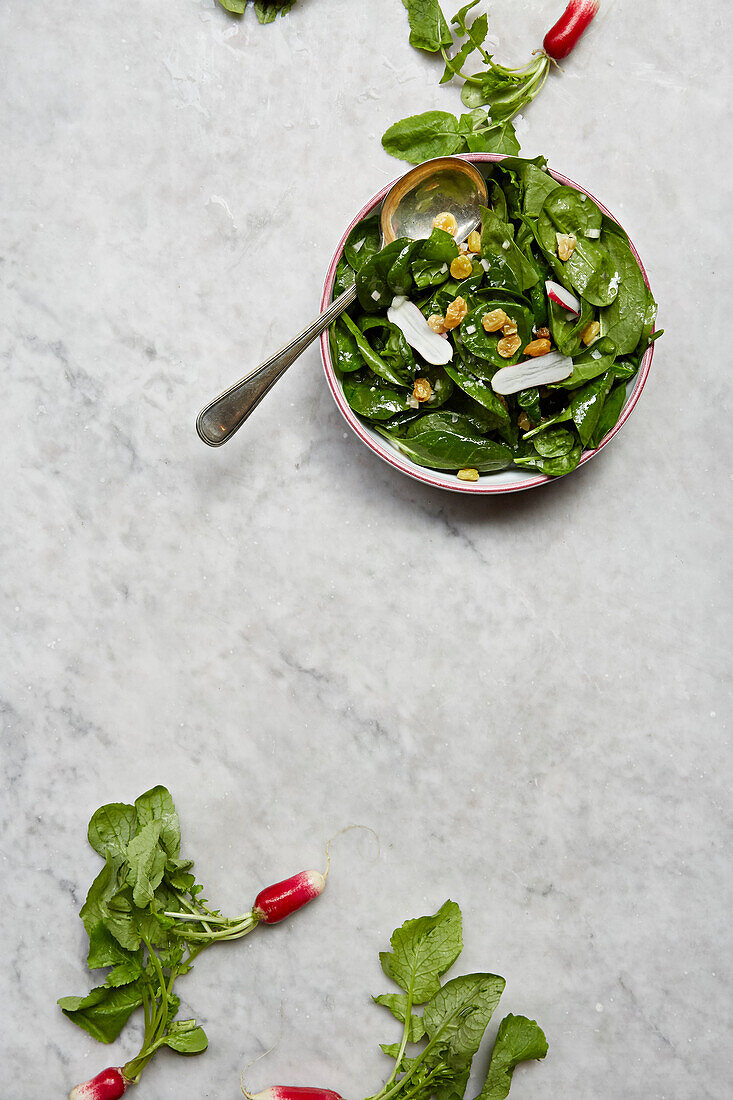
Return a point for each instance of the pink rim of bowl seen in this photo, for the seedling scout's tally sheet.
(505, 481)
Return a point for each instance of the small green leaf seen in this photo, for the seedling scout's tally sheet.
(121, 919)
(111, 829)
(424, 948)
(449, 441)
(554, 443)
(610, 413)
(480, 391)
(124, 973)
(586, 406)
(157, 805)
(438, 246)
(104, 1011)
(500, 139)
(376, 362)
(553, 467)
(428, 28)
(518, 1040)
(104, 887)
(459, 1013)
(497, 239)
(186, 1041)
(147, 863)
(590, 363)
(105, 950)
(363, 242)
(370, 396)
(624, 320)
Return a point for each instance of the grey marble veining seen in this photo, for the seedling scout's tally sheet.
(527, 698)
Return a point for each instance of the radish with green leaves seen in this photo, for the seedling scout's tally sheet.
(446, 1035)
(147, 922)
(493, 93)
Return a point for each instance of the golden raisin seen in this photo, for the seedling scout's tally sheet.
(455, 313)
(423, 391)
(510, 327)
(474, 242)
(461, 267)
(566, 243)
(538, 347)
(437, 323)
(591, 332)
(523, 421)
(543, 333)
(468, 474)
(446, 222)
(508, 345)
(494, 320)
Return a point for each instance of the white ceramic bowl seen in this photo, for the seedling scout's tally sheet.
(504, 481)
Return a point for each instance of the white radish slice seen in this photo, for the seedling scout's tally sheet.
(418, 333)
(562, 297)
(540, 371)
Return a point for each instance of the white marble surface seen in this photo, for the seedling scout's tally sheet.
(527, 698)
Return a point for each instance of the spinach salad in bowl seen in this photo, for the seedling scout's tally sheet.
(510, 349)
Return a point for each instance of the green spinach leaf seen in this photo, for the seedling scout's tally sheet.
(624, 320)
(448, 441)
(610, 413)
(370, 396)
(363, 242)
(497, 239)
(422, 137)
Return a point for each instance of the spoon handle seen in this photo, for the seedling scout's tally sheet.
(218, 421)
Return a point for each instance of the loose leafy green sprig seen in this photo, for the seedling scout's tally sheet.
(144, 950)
(494, 93)
(465, 424)
(267, 11)
(444, 1037)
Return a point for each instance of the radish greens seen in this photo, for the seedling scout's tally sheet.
(446, 1034)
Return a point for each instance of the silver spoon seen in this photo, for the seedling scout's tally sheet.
(446, 184)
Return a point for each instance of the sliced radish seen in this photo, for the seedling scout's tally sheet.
(562, 297)
(552, 367)
(110, 1084)
(418, 333)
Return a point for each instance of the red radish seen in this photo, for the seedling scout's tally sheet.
(278, 901)
(110, 1084)
(562, 297)
(561, 39)
(294, 1092)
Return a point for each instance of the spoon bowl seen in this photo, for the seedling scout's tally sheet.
(443, 185)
